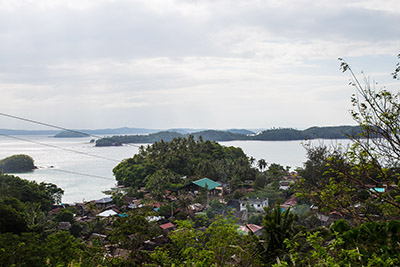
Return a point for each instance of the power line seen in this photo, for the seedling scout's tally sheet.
(84, 174)
(54, 126)
(62, 148)
(58, 147)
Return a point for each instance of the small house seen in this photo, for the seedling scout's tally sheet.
(254, 228)
(257, 204)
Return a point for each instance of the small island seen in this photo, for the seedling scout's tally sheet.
(17, 163)
(70, 134)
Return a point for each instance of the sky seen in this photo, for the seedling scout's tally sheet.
(214, 64)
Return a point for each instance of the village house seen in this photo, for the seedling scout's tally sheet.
(257, 204)
(211, 186)
(168, 226)
(289, 203)
(284, 185)
(104, 202)
(254, 228)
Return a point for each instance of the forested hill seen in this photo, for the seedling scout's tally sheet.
(280, 134)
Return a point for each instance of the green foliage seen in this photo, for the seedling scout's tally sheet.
(131, 232)
(217, 206)
(70, 134)
(17, 163)
(212, 135)
(339, 180)
(213, 247)
(13, 218)
(280, 134)
(64, 215)
(24, 250)
(255, 219)
(163, 164)
(44, 194)
(210, 214)
(274, 195)
(260, 181)
(276, 171)
(166, 210)
(277, 227)
(201, 221)
(62, 248)
(370, 244)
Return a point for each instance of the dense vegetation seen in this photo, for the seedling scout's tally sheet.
(281, 134)
(17, 163)
(165, 165)
(29, 192)
(70, 134)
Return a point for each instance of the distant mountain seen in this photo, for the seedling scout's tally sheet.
(185, 130)
(28, 132)
(123, 130)
(117, 131)
(138, 139)
(143, 135)
(333, 132)
(241, 131)
(214, 135)
(280, 134)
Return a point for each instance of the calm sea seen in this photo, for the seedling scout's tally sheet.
(84, 177)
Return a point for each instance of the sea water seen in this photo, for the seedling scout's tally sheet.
(84, 177)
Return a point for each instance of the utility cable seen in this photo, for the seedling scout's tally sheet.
(62, 148)
(58, 147)
(54, 126)
(84, 174)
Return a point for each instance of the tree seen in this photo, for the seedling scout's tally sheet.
(162, 165)
(252, 160)
(45, 194)
(362, 181)
(261, 164)
(62, 248)
(17, 163)
(12, 217)
(215, 246)
(375, 154)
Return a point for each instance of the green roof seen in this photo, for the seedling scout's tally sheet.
(205, 182)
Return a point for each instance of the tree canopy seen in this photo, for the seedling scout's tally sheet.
(169, 162)
(17, 163)
(361, 181)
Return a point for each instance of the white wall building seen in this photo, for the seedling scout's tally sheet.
(258, 204)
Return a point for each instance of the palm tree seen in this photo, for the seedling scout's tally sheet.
(252, 160)
(277, 226)
(261, 164)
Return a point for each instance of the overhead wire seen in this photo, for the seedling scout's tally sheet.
(59, 147)
(54, 126)
(84, 174)
(62, 148)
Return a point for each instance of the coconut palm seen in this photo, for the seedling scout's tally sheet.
(261, 164)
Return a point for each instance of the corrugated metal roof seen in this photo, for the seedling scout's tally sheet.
(205, 182)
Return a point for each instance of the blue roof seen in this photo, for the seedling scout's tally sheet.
(377, 189)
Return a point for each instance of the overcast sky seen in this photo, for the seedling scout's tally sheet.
(201, 64)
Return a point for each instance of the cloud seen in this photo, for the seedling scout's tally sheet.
(175, 63)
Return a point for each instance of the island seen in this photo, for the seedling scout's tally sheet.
(70, 134)
(17, 163)
(275, 134)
